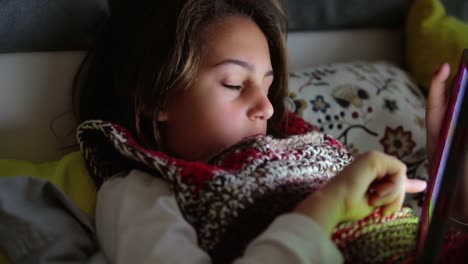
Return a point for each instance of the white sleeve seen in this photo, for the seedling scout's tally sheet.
(138, 221)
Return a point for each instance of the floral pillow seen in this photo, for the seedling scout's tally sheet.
(367, 106)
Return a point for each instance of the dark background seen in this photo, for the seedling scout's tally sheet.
(47, 25)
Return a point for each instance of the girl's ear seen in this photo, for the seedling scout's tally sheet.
(162, 116)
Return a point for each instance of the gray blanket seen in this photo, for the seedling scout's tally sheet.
(40, 224)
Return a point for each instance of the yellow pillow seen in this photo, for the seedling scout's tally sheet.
(69, 174)
(433, 37)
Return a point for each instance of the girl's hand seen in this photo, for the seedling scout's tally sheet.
(436, 107)
(374, 180)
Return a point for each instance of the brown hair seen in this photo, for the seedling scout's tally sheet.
(147, 52)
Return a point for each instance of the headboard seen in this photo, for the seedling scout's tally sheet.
(62, 25)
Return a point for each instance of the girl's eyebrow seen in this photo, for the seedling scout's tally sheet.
(242, 64)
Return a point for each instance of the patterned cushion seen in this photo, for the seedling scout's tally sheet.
(367, 106)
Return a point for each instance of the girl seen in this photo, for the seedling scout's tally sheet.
(187, 98)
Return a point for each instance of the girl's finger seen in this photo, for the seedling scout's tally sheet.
(392, 207)
(415, 186)
(377, 167)
(436, 107)
(387, 192)
(441, 75)
(382, 193)
(437, 93)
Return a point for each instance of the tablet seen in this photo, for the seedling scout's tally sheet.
(447, 170)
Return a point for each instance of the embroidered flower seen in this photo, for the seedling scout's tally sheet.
(420, 122)
(319, 104)
(347, 94)
(296, 106)
(390, 105)
(353, 149)
(397, 142)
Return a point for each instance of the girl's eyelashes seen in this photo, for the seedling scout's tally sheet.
(232, 87)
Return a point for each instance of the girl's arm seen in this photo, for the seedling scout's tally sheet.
(138, 221)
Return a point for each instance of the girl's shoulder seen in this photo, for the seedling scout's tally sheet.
(135, 180)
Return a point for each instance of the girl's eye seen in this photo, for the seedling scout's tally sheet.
(233, 87)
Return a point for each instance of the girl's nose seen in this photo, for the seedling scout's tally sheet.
(261, 107)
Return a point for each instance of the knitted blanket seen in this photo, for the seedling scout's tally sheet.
(235, 196)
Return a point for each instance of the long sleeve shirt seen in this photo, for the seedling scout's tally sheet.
(138, 221)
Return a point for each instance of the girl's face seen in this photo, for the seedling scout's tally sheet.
(228, 101)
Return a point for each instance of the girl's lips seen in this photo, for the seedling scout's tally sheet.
(255, 135)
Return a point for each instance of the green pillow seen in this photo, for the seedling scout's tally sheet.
(69, 174)
(433, 37)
